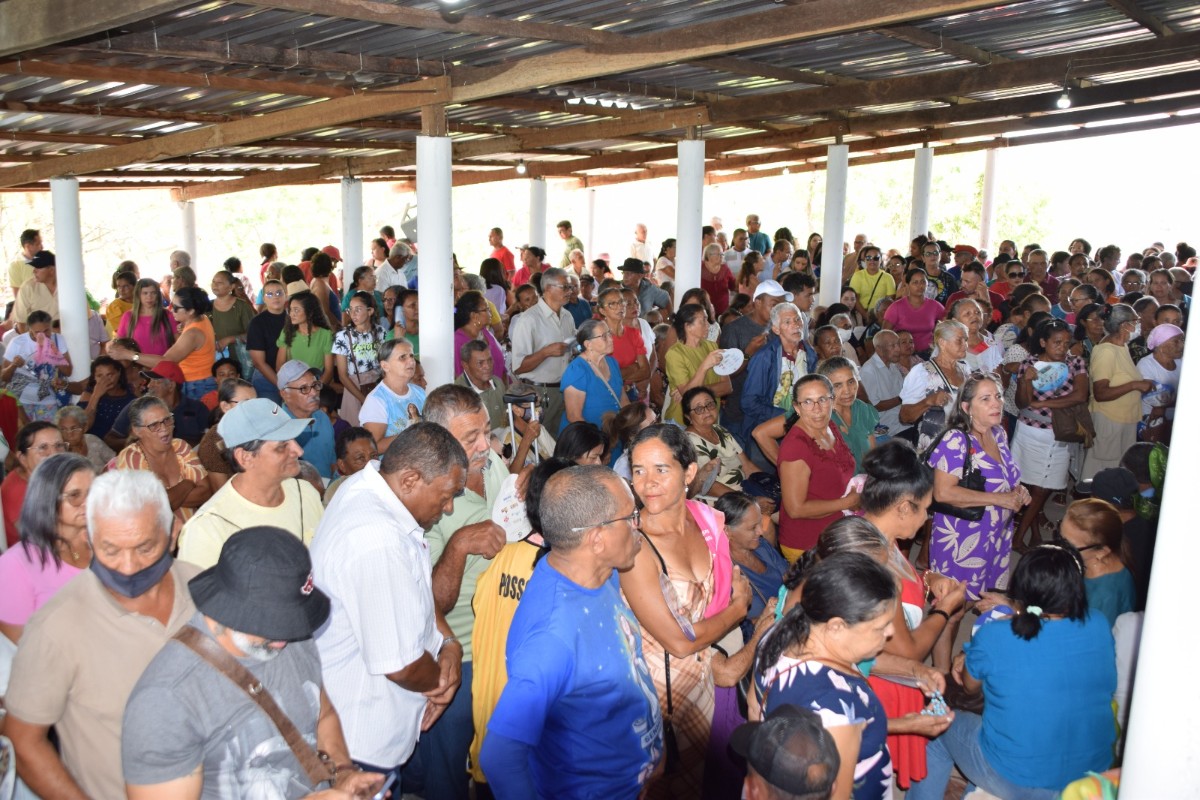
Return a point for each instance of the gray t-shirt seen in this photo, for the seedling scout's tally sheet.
(183, 713)
(737, 335)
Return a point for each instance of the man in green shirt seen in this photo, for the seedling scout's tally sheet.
(572, 241)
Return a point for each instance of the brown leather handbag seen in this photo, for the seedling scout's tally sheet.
(1073, 424)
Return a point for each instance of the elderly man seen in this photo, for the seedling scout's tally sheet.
(789, 754)
(851, 261)
(748, 333)
(633, 276)
(580, 309)
(776, 366)
(392, 272)
(541, 340)
(83, 651)
(479, 375)
(300, 386)
(165, 381)
(260, 442)
(757, 239)
(39, 293)
(192, 732)
(640, 249)
(577, 679)
(390, 663)
(461, 546)
(1039, 266)
(883, 380)
(502, 253)
(19, 270)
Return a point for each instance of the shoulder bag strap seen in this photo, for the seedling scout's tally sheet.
(315, 764)
(666, 656)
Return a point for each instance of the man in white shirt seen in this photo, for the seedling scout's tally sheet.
(737, 252)
(883, 380)
(541, 340)
(392, 273)
(639, 249)
(390, 663)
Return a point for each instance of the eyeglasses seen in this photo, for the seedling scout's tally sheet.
(871, 258)
(634, 520)
(811, 402)
(75, 498)
(548, 286)
(273, 294)
(57, 447)
(617, 304)
(1016, 275)
(166, 423)
(73, 429)
(931, 252)
(176, 307)
(605, 335)
(700, 409)
(307, 389)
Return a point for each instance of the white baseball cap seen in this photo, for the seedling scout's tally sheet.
(773, 289)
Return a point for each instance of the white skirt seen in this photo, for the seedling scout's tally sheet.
(1043, 461)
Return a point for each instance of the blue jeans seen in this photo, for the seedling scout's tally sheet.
(960, 745)
(265, 388)
(194, 390)
(438, 767)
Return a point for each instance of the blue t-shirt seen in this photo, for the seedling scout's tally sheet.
(759, 241)
(764, 585)
(317, 441)
(579, 691)
(1112, 595)
(838, 699)
(1048, 718)
(598, 400)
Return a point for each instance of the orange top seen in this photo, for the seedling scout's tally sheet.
(197, 365)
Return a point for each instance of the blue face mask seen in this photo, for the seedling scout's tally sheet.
(138, 583)
(1148, 493)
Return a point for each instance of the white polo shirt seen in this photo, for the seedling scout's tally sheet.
(883, 382)
(534, 329)
(369, 555)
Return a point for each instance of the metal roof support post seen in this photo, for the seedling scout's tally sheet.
(187, 230)
(72, 294)
(988, 220)
(922, 186)
(537, 217)
(837, 176)
(352, 229)
(436, 265)
(690, 216)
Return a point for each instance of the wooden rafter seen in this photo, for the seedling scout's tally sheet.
(29, 24)
(756, 69)
(936, 41)
(1133, 9)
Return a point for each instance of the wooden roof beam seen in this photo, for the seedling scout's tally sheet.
(756, 69)
(30, 24)
(1133, 9)
(936, 41)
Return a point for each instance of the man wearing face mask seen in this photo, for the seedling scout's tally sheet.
(83, 651)
(191, 731)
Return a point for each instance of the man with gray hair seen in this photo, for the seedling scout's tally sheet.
(883, 380)
(390, 662)
(577, 679)
(391, 272)
(83, 651)
(541, 340)
(180, 259)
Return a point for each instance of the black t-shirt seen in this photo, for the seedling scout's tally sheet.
(263, 334)
(191, 421)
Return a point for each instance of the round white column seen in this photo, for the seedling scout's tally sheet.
(922, 186)
(689, 218)
(837, 176)
(352, 245)
(436, 264)
(988, 220)
(537, 217)
(187, 232)
(72, 293)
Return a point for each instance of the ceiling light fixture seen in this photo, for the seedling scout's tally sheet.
(1064, 99)
(787, 170)
(521, 167)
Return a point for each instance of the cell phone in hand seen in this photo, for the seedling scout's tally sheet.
(388, 782)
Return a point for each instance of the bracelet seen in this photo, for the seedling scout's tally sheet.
(447, 641)
(939, 613)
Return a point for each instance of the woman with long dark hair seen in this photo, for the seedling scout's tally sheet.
(148, 322)
(1049, 721)
(356, 352)
(306, 335)
(810, 659)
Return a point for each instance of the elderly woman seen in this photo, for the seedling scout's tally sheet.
(1163, 366)
(591, 384)
(147, 322)
(629, 348)
(973, 527)
(716, 278)
(195, 349)
(356, 354)
(717, 451)
(915, 312)
(54, 540)
(211, 450)
(774, 368)
(927, 397)
(856, 419)
(689, 362)
(72, 424)
(471, 322)
(984, 353)
(686, 596)
(1117, 389)
(155, 449)
(815, 466)
(752, 552)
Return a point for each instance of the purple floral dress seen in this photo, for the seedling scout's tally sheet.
(976, 553)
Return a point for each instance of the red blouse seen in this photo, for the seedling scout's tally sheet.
(830, 471)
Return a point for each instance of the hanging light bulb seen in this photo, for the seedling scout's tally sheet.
(521, 167)
(787, 170)
(1064, 100)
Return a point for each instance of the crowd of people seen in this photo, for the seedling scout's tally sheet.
(725, 544)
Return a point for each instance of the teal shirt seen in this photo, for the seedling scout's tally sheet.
(858, 434)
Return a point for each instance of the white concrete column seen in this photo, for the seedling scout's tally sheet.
(689, 216)
(352, 227)
(589, 244)
(988, 219)
(435, 267)
(537, 216)
(1164, 718)
(72, 294)
(187, 233)
(922, 186)
(837, 174)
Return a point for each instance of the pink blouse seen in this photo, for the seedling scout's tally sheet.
(28, 583)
